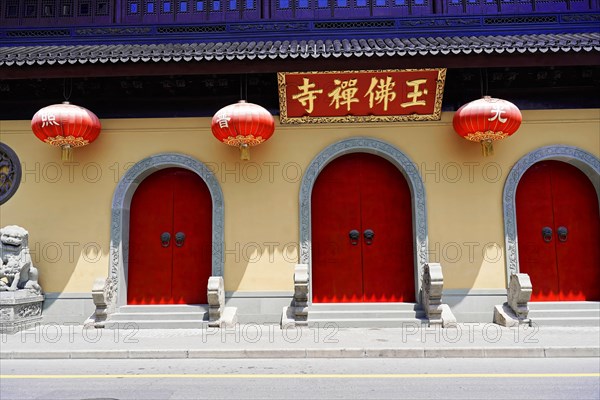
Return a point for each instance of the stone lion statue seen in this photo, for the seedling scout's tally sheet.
(16, 270)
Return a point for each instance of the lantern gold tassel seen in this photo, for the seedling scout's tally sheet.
(67, 153)
(487, 147)
(244, 152)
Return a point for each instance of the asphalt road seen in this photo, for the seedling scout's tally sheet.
(302, 379)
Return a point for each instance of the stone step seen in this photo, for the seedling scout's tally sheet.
(560, 313)
(364, 306)
(365, 315)
(155, 316)
(163, 308)
(564, 305)
(134, 325)
(567, 322)
(159, 316)
(365, 323)
(330, 315)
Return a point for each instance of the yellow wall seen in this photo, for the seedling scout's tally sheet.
(66, 208)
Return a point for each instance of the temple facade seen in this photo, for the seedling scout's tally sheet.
(363, 187)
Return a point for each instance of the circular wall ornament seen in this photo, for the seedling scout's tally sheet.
(10, 173)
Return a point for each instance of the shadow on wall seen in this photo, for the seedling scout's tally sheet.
(466, 224)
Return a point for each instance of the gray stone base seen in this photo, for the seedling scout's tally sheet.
(19, 310)
(448, 318)
(229, 318)
(288, 317)
(505, 316)
(473, 305)
(67, 308)
(258, 307)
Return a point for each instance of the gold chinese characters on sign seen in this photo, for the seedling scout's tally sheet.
(361, 96)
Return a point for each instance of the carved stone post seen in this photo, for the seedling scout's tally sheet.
(519, 294)
(515, 311)
(300, 302)
(100, 301)
(433, 284)
(216, 300)
(296, 314)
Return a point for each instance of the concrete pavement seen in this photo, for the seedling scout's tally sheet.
(473, 340)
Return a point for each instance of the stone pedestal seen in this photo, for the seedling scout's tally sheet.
(219, 316)
(19, 310)
(433, 285)
(216, 300)
(515, 311)
(297, 313)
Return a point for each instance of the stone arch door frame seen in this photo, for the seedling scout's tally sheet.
(584, 161)
(119, 227)
(404, 164)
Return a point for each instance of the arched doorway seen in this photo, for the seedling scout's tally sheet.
(558, 223)
(170, 239)
(354, 196)
(399, 160)
(117, 282)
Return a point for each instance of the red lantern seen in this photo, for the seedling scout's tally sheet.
(243, 125)
(67, 126)
(486, 120)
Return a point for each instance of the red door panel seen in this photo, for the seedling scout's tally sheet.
(362, 191)
(564, 269)
(578, 257)
(192, 261)
(388, 272)
(335, 212)
(149, 268)
(534, 212)
(171, 200)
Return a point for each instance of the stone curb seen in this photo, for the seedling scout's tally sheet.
(441, 352)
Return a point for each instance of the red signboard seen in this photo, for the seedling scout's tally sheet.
(361, 96)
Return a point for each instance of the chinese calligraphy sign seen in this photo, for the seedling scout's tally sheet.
(361, 96)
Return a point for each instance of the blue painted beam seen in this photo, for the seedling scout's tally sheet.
(371, 28)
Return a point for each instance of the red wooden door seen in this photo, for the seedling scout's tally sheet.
(172, 201)
(558, 196)
(362, 192)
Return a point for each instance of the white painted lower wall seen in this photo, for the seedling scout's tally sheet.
(473, 305)
(258, 307)
(67, 308)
